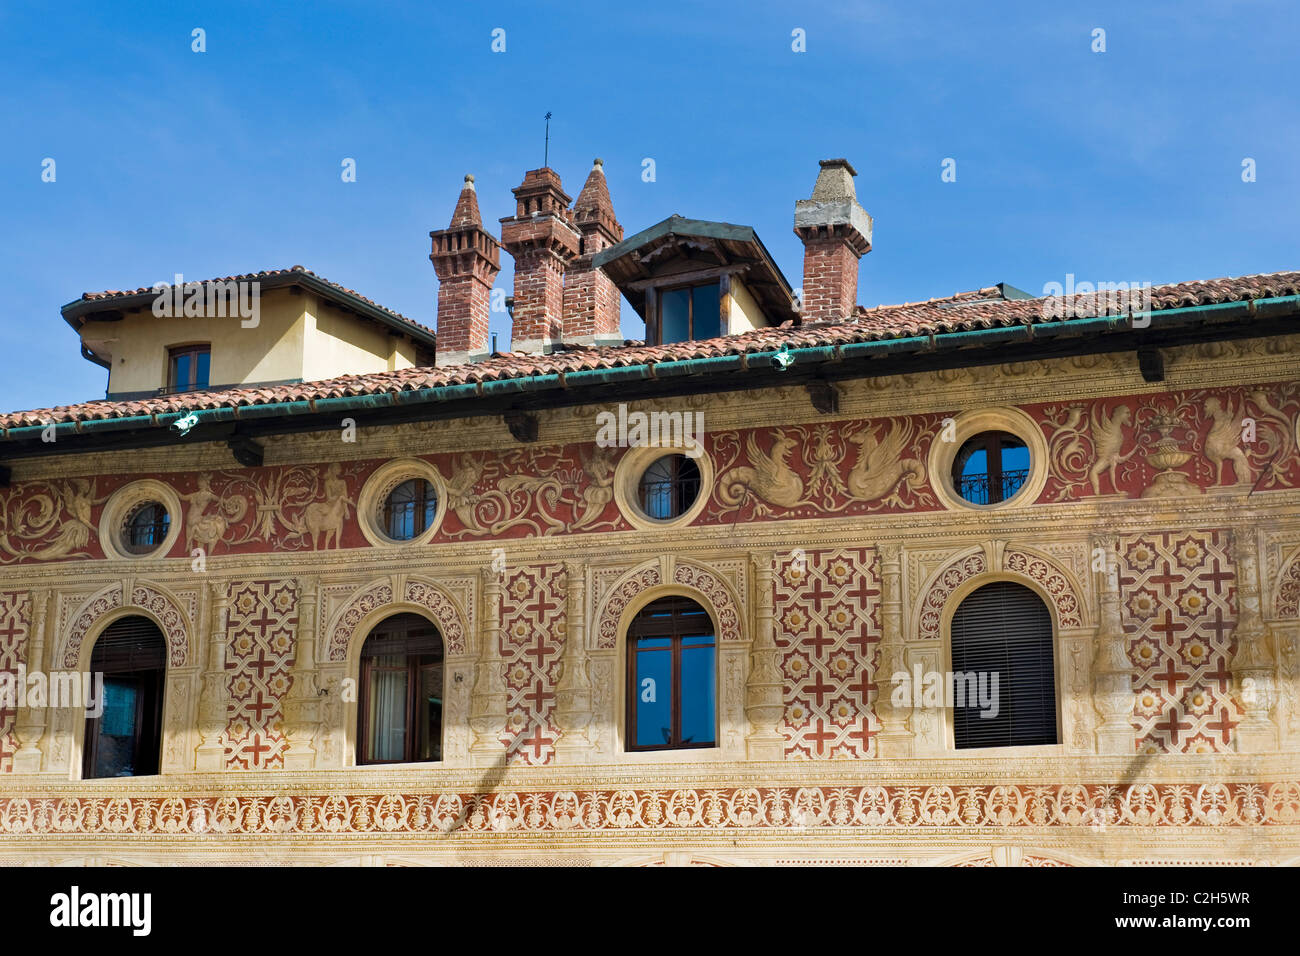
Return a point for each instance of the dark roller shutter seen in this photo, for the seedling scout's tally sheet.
(1005, 628)
(130, 644)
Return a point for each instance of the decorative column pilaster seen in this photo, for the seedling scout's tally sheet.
(302, 706)
(1253, 667)
(764, 699)
(29, 722)
(894, 738)
(1112, 672)
(487, 711)
(573, 692)
(211, 754)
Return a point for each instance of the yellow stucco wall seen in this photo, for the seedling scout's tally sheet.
(298, 336)
(745, 313)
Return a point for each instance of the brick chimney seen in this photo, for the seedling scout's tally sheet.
(543, 241)
(591, 300)
(836, 234)
(467, 258)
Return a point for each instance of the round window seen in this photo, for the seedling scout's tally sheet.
(145, 528)
(990, 467)
(669, 487)
(409, 509)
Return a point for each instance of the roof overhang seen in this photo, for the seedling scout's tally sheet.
(638, 260)
(112, 307)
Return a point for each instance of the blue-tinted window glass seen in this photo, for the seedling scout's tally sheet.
(698, 684)
(674, 316)
(119, 709)
(706, 315)
(976, 464)
(184, 368)
(654, 701)
(201, 379)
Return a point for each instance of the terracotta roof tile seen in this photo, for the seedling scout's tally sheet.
(977, 309)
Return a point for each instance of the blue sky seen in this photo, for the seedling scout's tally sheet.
(1118, 166)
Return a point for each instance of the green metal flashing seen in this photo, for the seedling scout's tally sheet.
(725, 364)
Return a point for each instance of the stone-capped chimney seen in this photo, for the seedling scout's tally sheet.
(467, 259)
(543, 241)
(591, 300)
(836, 233)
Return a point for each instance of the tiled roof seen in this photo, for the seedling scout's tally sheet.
(978, 309)
(286, 276)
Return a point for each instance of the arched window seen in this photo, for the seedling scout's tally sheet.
(400, 703)
(672, 677)
(1004, 678)
(125, 740)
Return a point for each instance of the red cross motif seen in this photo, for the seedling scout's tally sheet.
(540, 606)
(862, 641)
(818, 641)
(256, 748)
(1170, 677)
(539, 650)
(1224, 724)
(261, 663)
(863, 733)
(1169, 628)
(1217, 576)
(1168, 579)
(818, 593)
(1172, 725)
(861, 593)
(14, 628)
(820, 736)
(539, 695)
(1220, 627)
(863, 687)
(258, 706)
(1221, 674)
(820, 689)
(537, 741)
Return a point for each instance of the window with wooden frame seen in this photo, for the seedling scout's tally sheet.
(689, 313)
(409, 509)
(399, 706)
(145, 528)
(187, 368)
(672, 677)
(1003, 629)
(668, 487)
(125, 740)
(990, 467)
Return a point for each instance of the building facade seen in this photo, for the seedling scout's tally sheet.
(407, 614)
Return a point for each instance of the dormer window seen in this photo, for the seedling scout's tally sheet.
(188, 368)
(690, 312)
(692, 280)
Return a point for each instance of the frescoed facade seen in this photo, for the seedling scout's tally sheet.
(406, 613)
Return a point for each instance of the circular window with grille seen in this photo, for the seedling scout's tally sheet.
(140, 520)
(402, 503)
(661, 487)
(989, 460)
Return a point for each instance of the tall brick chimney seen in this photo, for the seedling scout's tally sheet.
(591, 300)
(467, 258)
(543, 241)
(836, 234)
